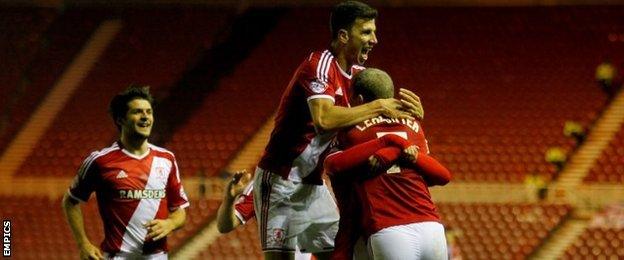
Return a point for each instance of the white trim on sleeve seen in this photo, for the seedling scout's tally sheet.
(74, 197)
(185, 205)
(321, 96)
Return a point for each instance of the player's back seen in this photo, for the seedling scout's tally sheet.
(399, 195)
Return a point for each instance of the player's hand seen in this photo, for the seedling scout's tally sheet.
(90, 252)
(411, 103)
(411, 153)
(392, 108)
(159, 228)
(237, 184)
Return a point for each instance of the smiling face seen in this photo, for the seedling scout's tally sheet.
(138, 120)
(361, 40)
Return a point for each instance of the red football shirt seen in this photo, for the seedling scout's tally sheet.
(131, 191)
(295, 149)
(400, 195)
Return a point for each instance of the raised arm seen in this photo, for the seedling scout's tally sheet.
(226, 216)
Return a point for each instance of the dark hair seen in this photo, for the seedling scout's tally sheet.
(373, 84)
(343, 15)
(119, 104)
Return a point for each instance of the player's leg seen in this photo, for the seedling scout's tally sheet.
(394, 242)
(412, 241)
(322, 216)
(434, 247)
(274, 215)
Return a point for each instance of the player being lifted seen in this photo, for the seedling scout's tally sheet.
(293, 206)
(388, 204)
(139, 193)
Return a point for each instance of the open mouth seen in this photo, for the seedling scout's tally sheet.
(364, 53)
(144, 124)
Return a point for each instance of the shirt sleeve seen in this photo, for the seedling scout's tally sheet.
(176, 197)
(315, 79)
(85, 181)
(244, 208)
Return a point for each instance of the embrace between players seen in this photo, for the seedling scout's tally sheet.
(379, 168)
(379, 164)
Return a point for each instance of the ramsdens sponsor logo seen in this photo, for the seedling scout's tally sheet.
(142, 194)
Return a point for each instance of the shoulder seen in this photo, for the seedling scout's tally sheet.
(162, 152)
(105, 152)
(98, 157)
(318, 64)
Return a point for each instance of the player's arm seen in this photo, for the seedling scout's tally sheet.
(340, 162)
(432, 171)
(73, 214)
(160, 228)
(327, 116)
(226, 216)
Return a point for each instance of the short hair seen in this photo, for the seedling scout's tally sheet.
(119, 104)
(343, 15)
(373, 84)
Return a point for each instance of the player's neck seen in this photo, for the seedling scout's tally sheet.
(135, 146)
(340, 57)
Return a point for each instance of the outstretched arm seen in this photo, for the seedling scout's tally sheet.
(327, 116)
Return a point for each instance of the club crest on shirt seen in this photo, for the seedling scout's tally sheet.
(276, 238)
(318, 86)
(160, 173)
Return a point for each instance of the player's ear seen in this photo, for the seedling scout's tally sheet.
(343, 36)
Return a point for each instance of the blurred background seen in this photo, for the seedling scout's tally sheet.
(521, 98)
